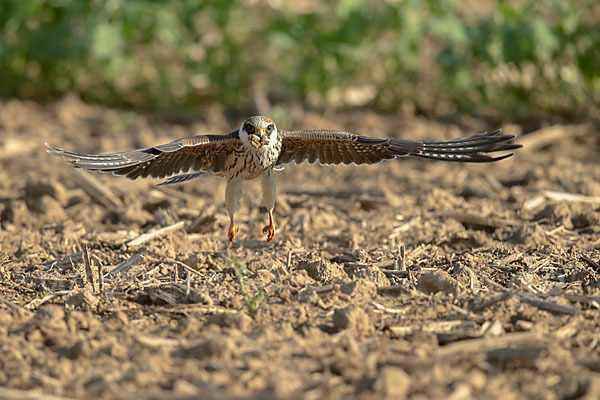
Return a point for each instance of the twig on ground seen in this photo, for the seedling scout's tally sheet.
(541, 304)
(151, 235)
(491, 301)
(289, 261)
(563, 196)
(126, 265)
(549, 135)
(383, 308)
(90, 277)
(591, 262)
(480, 220)
(97, 190)
(549, 306)
(186, 267)
(489, 343)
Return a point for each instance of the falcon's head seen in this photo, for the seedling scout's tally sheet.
(258, 131)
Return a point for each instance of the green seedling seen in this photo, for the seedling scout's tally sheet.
(240, 268)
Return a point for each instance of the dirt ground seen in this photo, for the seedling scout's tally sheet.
(411, 278)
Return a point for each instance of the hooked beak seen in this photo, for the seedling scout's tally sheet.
(259, 138)
(262, 134)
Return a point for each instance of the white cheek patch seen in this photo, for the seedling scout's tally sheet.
(243, 136)
(273, 136)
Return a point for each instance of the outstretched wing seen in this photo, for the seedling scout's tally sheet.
(336, 147)
(199, 153)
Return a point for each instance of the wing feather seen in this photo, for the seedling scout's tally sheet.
(336, 147)
(206, 153)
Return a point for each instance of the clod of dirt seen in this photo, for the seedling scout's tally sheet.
(360, 290)
(51, 317)
(585, 219)
(230, 320)
(15, 212)
(529, 233)
(522, 325)
(322, 270)
(37, 189)
(307, 296)
(50, 207)
(83, 300)
(78, 349)
(437, 281)
(352, 317)
(392, 382)
(557, 213)
(370, 274)
(220, 347)
(181, 387)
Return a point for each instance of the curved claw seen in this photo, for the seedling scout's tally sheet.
(270, 231)
(232, 231)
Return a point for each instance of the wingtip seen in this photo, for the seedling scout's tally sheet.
(51, 149)
(503, 157)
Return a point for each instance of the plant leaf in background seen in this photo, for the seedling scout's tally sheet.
(504, 59)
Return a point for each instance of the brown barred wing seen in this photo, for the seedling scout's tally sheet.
(198, 153)
(335, 147)
(330, 147)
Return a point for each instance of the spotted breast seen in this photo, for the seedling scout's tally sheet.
(251, 163)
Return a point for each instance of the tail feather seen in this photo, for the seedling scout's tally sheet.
(472, 149)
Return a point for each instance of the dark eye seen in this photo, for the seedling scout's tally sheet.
(270, 128)
(249, 128)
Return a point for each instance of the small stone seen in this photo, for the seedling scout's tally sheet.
(522, 325)
(230, 320)
(78, 349)
(51, 317)
(181, 387)
(352, 317)
(84, 299)
(218, 347)
(321, 270)
(307, 296)
(392, 382)
(437, 281)
(360, 289)
(37, 189)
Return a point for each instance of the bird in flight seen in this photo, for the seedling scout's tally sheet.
(258, 147)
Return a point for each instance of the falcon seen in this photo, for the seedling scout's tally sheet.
(258, 147)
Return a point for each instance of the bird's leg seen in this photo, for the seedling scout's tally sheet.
(233, 192)
(268, 185)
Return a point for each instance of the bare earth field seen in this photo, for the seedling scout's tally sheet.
(411, 278)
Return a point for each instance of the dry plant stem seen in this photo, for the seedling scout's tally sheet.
(16, 394)
(126, 265)
(90, 277)
(475, 219)
(563, 196)
(541, 304)
(97, 190)
(186, 267)
(493, 300)
(549, 136)
(157, 233)
(485, 344)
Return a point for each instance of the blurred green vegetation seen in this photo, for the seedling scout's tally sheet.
(502, 59)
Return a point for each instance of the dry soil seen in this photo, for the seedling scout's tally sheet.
(411, 278)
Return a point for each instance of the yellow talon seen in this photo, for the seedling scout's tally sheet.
(270, 231)
(232, 231)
